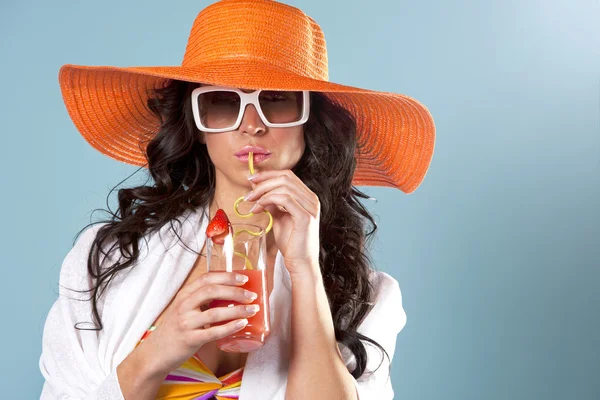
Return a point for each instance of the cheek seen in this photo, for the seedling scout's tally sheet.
(300, 148)
(218, 148)
(300, 143)
(292, 147)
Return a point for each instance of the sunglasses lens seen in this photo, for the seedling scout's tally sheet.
(219, 109)
(281, 107)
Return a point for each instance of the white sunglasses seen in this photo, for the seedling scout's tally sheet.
(223, 107)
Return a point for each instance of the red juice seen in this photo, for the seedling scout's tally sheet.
(253, 335)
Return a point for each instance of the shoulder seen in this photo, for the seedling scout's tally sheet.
(73, 272)
(386, 287)
(387, 308)
(384, 282)
(385, 319)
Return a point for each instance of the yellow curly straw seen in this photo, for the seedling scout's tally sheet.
(238, 201)
(250, 214)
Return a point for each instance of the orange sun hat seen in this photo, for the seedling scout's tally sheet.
(253, 44)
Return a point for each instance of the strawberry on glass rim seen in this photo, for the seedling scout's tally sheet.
(219, 227)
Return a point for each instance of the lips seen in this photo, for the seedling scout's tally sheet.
(255, 149)
(258, 158)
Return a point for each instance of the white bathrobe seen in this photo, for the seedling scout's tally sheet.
(81, 364)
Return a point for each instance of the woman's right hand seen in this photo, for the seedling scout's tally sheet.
(181, 332)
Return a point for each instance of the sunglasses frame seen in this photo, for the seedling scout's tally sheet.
(246, 98)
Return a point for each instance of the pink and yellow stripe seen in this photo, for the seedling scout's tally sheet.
(195, 381)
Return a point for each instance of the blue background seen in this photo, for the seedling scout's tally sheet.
(497, 252)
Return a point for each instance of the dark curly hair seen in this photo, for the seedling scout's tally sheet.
(184, 179)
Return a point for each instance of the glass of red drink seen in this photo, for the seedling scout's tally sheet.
(244, 252)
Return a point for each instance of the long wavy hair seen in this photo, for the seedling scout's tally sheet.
(184, 179)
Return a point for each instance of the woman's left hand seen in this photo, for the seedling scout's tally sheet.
(296, 232)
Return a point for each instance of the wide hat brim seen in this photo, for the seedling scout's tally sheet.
(108, 106)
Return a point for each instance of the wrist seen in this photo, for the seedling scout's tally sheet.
(138, 376)
(146, 362)
(305, 272)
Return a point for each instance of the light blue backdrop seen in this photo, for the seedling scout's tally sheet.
(497, 253)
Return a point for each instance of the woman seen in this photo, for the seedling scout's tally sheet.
(141, 326)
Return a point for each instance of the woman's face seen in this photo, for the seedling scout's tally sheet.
(285, 145)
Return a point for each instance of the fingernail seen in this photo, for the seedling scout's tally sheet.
(250, 295)
(241, 278)
(242, 323)
(253, 207)
(247, 196)
(251, 176)
(252, 308)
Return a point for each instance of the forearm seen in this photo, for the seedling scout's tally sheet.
(137, 378)
(317, 370)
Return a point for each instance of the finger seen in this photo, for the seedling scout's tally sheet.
(271, 179)
(292, 206)
(221, 278)
(291, 192)
(216, 292)
(218, 332)
(283, 186)
(219, 314)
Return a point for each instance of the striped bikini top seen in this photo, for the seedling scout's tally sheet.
(193, 380)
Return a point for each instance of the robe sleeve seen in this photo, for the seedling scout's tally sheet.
(382, 324)
(70, 362)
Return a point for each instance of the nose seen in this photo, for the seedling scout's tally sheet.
(251, 121)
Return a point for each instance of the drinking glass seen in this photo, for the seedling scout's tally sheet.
(243, 252)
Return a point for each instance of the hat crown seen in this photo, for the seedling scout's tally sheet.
(263, 30)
